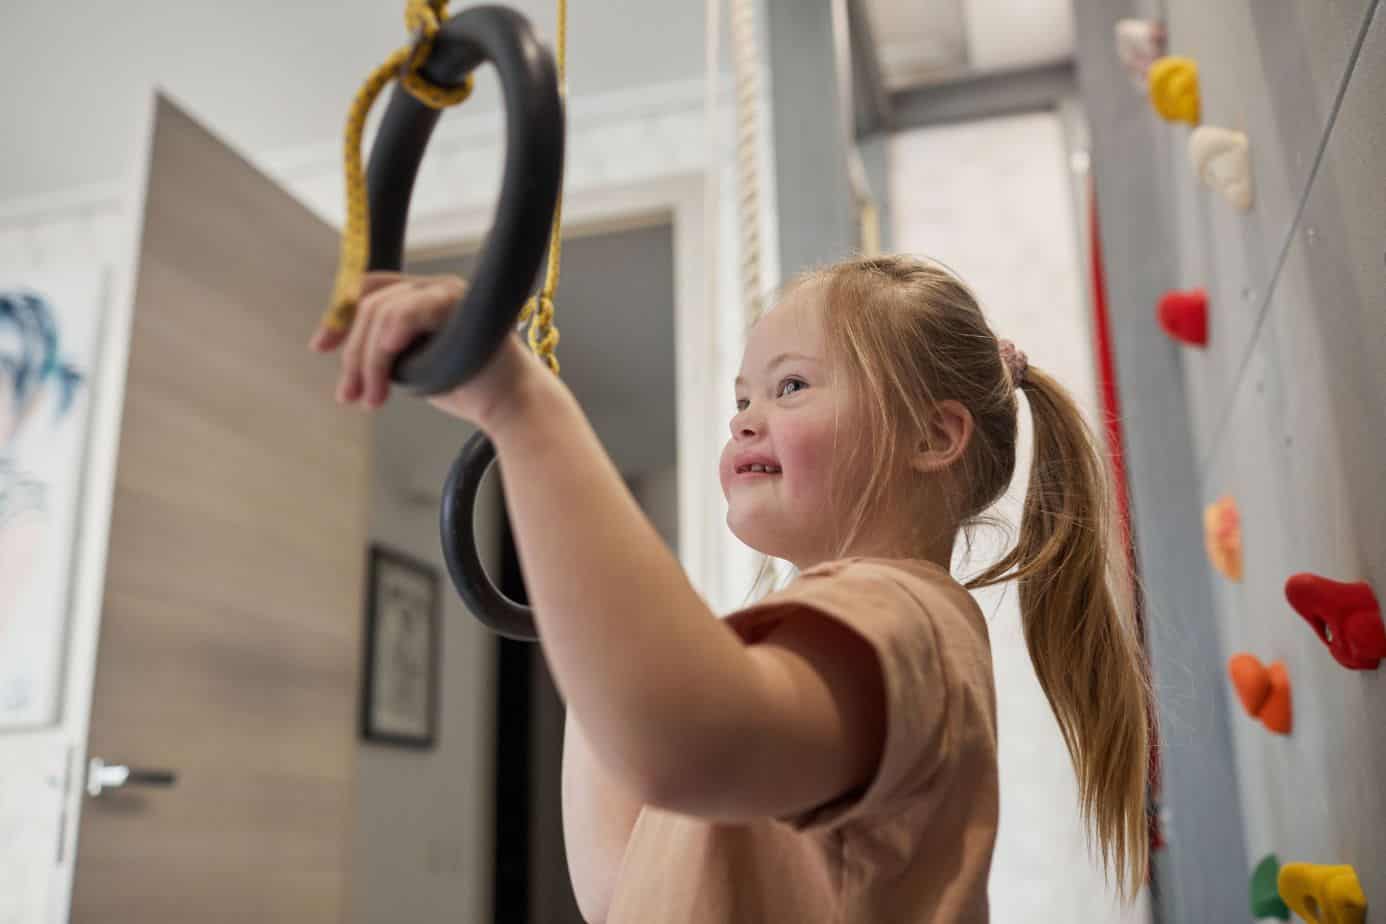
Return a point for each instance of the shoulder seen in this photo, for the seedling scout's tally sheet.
(881, 586)
(912, 613)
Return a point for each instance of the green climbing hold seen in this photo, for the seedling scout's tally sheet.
(1265, 891)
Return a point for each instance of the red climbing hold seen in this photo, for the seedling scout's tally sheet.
(1346, 617)
(1184, 316)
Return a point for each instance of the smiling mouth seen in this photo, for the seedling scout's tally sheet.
(757, 469)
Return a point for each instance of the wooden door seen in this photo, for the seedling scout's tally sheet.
(229, 648)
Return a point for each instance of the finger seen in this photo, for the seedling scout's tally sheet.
(379, 357)
(349, 384)
(407, 315)
(379, 279)
(383, 287)
(324, 340)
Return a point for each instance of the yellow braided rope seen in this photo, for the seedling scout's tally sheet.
(542, 334)
(424, 18)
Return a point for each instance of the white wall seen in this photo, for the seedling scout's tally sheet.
(272, 75)
(657, 492)
(424, 818)
(994, 201)
(42, 770)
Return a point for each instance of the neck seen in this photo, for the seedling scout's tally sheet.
(937, 549)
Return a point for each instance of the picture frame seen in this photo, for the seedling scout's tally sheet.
(399, 705)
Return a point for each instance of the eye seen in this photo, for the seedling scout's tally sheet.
(742, 404)
(785, 387)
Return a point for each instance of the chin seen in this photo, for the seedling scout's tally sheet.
(767, 541)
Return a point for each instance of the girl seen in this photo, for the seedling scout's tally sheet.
(828, 754)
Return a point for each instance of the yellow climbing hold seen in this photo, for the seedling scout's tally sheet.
(1323, 894)
(1174, 89)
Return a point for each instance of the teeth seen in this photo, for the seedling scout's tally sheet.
(757, 467)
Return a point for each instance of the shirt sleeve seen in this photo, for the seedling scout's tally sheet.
(896, 612)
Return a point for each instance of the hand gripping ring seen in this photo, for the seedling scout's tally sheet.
(509, 262)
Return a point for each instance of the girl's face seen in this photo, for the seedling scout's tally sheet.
(792, 413)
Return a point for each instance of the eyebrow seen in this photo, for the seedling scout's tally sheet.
(782, 357)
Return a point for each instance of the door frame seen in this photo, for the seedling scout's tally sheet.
(677, 199)
(110, 216)
(98, 483)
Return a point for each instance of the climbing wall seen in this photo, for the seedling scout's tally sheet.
(1285, 409)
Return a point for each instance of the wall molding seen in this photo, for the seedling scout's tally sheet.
(650, 132)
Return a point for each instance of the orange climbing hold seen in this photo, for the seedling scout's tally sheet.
(1346, 618)
(1222, 536)
(1264, 691)
(1251, 681)
(1184, 316)
(1323, 894)
(1174, 89)
(1276, 713)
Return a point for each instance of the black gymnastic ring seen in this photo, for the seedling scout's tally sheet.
(494, 609)
(509, 263)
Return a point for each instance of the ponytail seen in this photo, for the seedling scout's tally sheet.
(1086, 651)
(913, 334)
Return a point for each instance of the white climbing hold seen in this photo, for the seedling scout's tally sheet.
(1139, 43)
(1222, 159)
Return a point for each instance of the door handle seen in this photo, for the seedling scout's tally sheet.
(102, 776)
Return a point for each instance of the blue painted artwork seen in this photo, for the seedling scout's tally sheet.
(47, 343)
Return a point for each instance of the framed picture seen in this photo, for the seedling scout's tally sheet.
(400, 705)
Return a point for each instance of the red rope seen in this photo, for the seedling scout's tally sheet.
(1116, 446)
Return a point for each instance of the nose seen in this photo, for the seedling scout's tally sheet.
(745, 424)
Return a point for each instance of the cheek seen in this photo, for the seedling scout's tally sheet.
(805, 450)
(724, 467)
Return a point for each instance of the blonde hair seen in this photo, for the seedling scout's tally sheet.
(911, 334)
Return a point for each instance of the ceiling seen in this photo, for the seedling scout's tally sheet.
(928, 41)
(270, 76)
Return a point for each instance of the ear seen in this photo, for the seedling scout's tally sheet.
(950, 432)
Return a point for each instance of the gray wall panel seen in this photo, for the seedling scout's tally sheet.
(1271, 70)
(1286, 408)
(875, 158)
(1135, 181)
(817, 215)
(1306, 453)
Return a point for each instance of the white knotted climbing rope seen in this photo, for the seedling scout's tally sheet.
(746, 66)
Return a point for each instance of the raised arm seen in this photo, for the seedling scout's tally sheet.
(669, 697)
(599, 814)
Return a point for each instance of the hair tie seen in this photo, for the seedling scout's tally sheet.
(1016, 362)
